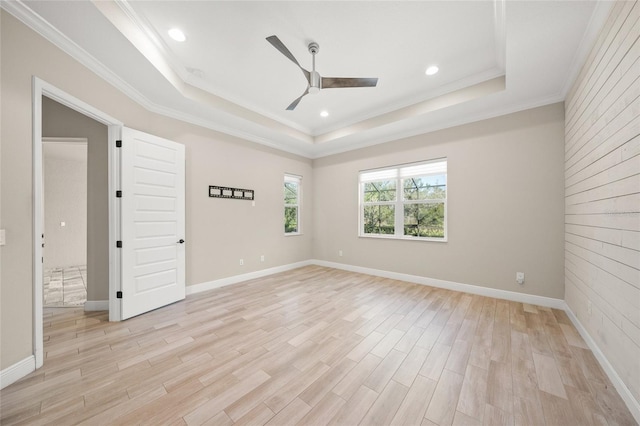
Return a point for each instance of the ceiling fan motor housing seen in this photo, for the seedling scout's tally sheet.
(314, 77)
(315, 82)
(314, 47)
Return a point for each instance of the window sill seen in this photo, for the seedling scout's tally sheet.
(393, 237)
(293, 234)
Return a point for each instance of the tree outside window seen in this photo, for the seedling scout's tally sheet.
(407, 201)
(292, 190)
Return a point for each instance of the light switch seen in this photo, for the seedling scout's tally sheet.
(63, 224)
(3, 237)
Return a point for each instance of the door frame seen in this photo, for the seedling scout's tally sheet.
(41, 88)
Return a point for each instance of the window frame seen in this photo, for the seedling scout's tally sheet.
(291, 178)
(399, 173)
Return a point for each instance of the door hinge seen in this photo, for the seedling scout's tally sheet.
(118, 194)
(118, 143)
(118, 294)
(119, 244)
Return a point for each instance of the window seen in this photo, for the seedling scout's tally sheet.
(292, 197)
(407, 201)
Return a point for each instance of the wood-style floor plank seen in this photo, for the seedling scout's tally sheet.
(473, 395)
(385, 407)
(442, 407)
(414, 405)
(355, 409)
(291, 414)
(317, 346)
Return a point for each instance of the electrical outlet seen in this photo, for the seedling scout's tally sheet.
(340, 253)
(520, 277)
(262, 258)
(241, 262)
(589, 308)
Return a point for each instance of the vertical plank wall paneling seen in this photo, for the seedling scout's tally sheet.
(602, 194)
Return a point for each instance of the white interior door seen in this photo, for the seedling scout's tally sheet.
(153, 222)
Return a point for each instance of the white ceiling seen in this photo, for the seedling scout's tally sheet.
(495, 57)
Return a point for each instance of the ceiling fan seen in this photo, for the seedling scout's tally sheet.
(314, 80)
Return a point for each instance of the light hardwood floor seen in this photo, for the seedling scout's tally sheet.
(318, 346)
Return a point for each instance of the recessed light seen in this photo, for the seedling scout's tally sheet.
(324, 113)
(177, 34)
(433, 69)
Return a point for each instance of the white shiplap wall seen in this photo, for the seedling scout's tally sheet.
(602, 194)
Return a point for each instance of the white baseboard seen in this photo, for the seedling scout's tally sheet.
(96, 305)
(17, 371)
(532, 299)
(449, 285)
(210, 285)
(623, 390)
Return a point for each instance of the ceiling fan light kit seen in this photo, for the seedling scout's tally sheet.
(315, 82)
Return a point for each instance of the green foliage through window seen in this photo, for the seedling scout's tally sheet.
(380, 191)
(292, 204)
(290, 193)
(405, 201)
(424, 220)
(425, 188)
(379, 219)
(290, 219)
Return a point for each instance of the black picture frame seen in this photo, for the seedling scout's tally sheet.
(231, 193)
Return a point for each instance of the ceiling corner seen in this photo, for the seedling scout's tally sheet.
(598, 18)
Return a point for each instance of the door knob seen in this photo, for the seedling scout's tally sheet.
(181, 241)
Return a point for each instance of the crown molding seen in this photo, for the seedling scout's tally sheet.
(27, 16)
(20, 10)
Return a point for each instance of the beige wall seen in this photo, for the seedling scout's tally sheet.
(16, 259)
(505, 204)
(60, 121)
(219, 232)
(65, 200)
(602, 251)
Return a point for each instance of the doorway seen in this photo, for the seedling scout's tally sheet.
(58, 121)
(65, 220)
(43, 90)
(130, 161)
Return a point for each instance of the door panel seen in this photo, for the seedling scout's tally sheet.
(153, 222)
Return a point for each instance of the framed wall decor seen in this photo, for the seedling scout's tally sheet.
(227, 192)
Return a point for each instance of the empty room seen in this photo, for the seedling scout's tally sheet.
(320, 212)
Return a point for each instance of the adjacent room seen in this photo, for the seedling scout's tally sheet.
(313, 213)
(65, 217)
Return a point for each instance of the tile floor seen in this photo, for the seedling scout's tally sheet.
(65, 286)
(316, 346)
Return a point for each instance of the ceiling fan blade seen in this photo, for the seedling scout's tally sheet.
(295, 103)
(275, 42)
(338, 82)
